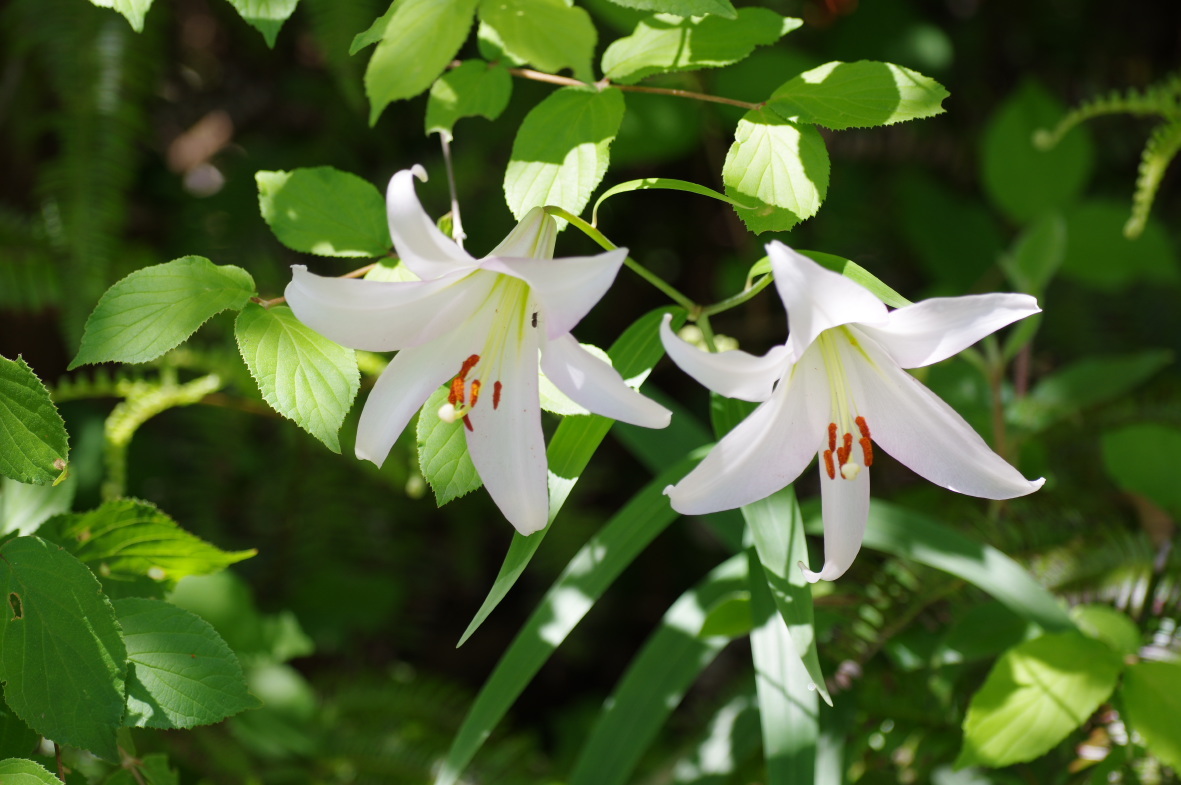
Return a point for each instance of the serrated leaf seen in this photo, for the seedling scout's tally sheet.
(682, 7)
(133, 10)
(562, 149)
(16, 738)
(548, 34)
(1105, 623)
(265, 16)
(17, 771)
(62, 659)
(857, 95)
(1036, 694)
(474, 88)
(182, 673)
(778, 166)
(1140, 458)
(665, 43)
(324, 211)
(418, 40)
(375, 32)
(156, 308)
(127, 541)
(442, 452)
(33, 439)
(301, 374)
(1152, 703)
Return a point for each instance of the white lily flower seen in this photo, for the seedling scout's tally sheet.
(835, 389)
(479, 323)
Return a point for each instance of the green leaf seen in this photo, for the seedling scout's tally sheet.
(857, 95)
(156, 308)
(983, 631)
(1105, 623)
(562, 149)
(375, 32)
(182, 673)
(265, 16)
(778, 166)
(301, 374)
(662, 183)
(851, 270)
(596, 565)
(682, 7)
(1152, 703)
(1035, 695)
(324, 211)
(16, 738)
(33, 439)
(24, 507)
(131, 543)
(1037, 254)
(442, 452)
(419, 38)
(729, 617)
(574, 442)
(390, 270)
(474, 88)
(549, 34)
(151, 770)
(62, 659)
(1083, 384)
(664, 44)
(17, 771)
(134, 10)
(1100, 256)
(1141, 459)
(656, 680)
(1021, 179)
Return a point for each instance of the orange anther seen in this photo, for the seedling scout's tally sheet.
(832, 436)
(496, 394)
(828, 465)
(455, 397)
(867, 451)
(863, 427)
(468, 364)
(845, 449)
(475, 391)
(467, 423)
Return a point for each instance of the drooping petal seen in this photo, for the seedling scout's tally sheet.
(817, 299)
(764, 452)
(565, 288)
(845, 511)
(935, 329)
(734, 374)
(596, 386)
(505, 440)
(423, 248)
(533, 238)
(915, 426)
(381, 316)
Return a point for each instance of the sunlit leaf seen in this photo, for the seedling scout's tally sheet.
(134, 10)
(442, 452)
(548, 34)
(682, 7)
(1106, 624)
(17, 771)
(33, 440)
(266, 16)
(324, 211)
(474, 88)
(858, 95)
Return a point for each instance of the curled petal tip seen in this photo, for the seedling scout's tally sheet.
(668, 491)
(418, 171)
(299, 268)
(809, 576)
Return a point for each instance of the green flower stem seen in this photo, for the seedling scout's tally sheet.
(738, 299)
(707, 333)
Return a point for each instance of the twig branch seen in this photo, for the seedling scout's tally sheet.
(567, 81)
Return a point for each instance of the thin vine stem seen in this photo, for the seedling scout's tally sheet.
(738, 299)
(566, 81)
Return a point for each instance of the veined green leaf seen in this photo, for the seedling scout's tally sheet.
(548, 34)
(62, 659)
(682, 7)
(18, 771)
(474, 88)
(134, 10)
(265, 16)
(1138, 456)
(1105, 623)
(663, 183)
(33, 439)
(301, 374)
(857, 95)
(156, 308)
(1152, 703)
(182, 674)
(780, 167)
(442, 452)
(664, 43)
(324, 211)
(562, 149)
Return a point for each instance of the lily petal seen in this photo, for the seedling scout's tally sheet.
(734, 374)
(382, 316)
(763, 453)
(506, 441)
(534, 237)
(596, 386)
(915, 426)
(845, 511)
(566, 290)
(817, 299)
(423, 248)
(935, 329)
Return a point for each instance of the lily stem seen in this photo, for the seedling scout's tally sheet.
(566, 81)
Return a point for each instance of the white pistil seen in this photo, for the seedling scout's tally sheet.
(448, 413)
(850, 470)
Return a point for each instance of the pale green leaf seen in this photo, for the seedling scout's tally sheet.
(562, 149)
(474, 88)
(301, 374)
(660, 183)
(729, 617)
(682, 7)
(24, 507)
(18, 771)
(779, 167)
(265, 16)
(1142, 458)
(1036, 694)
(418, 40)
(1106, 624)
(442, 452)
(182, 674)
(664, 43)
(548, 34)
(131, 542)
(33, 440)
(389, 270)
(375, 32)
(156, 308)
(1152, 703)
(62, 659)
(857, 95)
(324, 211)
(134, 10)
(1100, 256)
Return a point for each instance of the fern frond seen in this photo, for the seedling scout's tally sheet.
(1162, 146)
(28, 277)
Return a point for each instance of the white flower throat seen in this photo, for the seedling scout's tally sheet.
(840, 455)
